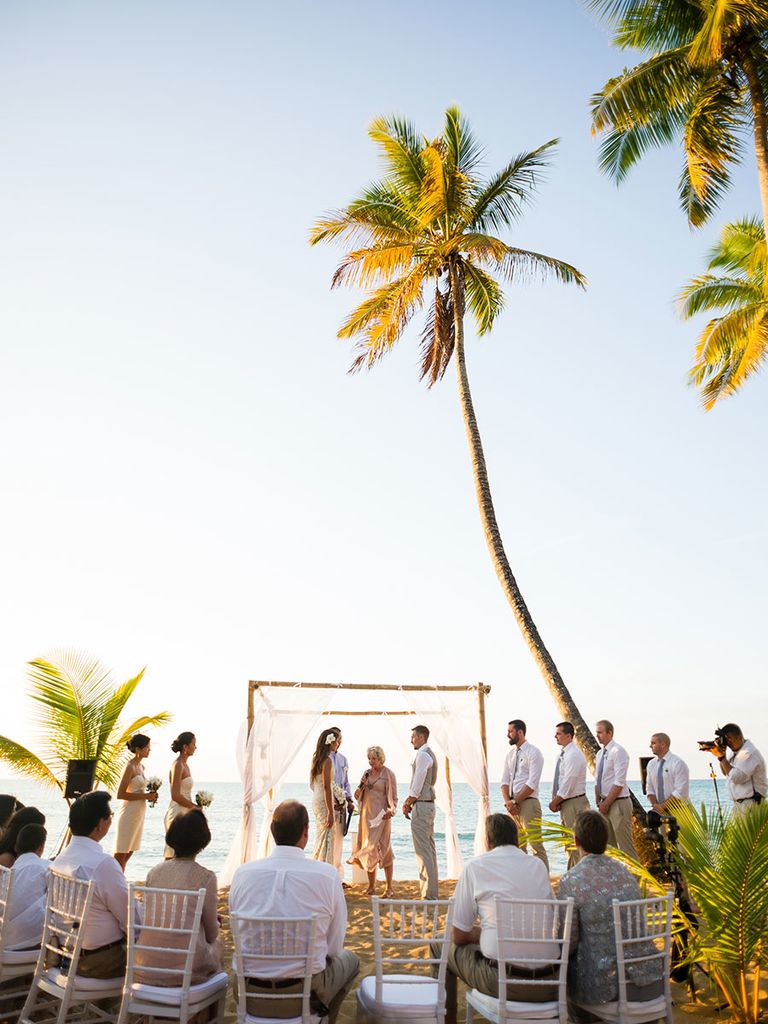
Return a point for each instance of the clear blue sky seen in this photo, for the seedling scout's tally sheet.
(192, 482)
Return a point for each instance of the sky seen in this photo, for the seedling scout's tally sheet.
(193, 483)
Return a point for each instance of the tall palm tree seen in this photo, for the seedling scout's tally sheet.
(733, 345)
(427, 226)
(704, 81)
(78, 716)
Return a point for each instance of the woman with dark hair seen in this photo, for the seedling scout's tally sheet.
(323, 805)
(26, 816)
(133, 796)
(8, 807)
(181, 782)
(187, 836)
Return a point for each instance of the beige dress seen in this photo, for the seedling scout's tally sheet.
(181, 873)
(130, 817)
(374, 836)
(174, 810)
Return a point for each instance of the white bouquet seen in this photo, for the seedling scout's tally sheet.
(203, 798)
(339, 796)
(154, 782)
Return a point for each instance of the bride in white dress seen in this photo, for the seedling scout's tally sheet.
(133, 796)
(321, 782)
(184, 745)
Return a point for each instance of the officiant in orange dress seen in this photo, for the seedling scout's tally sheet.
(377, 801)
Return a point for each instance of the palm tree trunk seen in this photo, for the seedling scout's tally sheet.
(760, 129)
(541, 655)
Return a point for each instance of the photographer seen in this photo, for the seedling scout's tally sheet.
(745, 769)
(667, 777)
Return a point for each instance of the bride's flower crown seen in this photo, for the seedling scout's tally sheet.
(330, 738)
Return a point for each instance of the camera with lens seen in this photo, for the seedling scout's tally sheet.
(715, 746)
(662, 828)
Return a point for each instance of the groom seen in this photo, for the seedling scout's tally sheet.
(421, 802)
(341, 778)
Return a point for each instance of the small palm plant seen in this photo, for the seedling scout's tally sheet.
(78, 709)
(734, 345)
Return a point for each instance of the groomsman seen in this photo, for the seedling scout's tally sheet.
(520, 781)
(611, 790)
(341, 778)
(570, 782)
(419, 806)
(667, 774)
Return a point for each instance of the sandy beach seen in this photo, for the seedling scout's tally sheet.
(360, 941)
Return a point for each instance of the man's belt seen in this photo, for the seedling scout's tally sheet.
(577, 797)
(601, 798)
(101, 949)
(274, 983)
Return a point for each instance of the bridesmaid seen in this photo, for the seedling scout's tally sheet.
(321, 783)
(133, 796)
(181, 782)
(377, 797)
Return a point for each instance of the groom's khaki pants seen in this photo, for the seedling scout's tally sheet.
(619, 819)
(423, 833)
(530, 810)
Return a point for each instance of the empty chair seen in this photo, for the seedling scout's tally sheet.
(13, 963)
(643, 948)
(162, 941)
(409, 936)
(66, 912)
(535, 934)
(287, 943)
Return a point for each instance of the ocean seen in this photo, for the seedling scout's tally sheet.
(225, 811)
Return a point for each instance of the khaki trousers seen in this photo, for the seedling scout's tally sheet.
(619, 819)
(423, 834)
(328, 988)
(570, 809)
(103, 963)
(530, 810)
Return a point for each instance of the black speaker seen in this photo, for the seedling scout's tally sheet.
(81, 776)
(644, 762)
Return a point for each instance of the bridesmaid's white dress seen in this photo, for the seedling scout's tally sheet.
(174, 810)
(130, 818)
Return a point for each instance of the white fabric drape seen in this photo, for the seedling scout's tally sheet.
(283, 719)
(447, 715)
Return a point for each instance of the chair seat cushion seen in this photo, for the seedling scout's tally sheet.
(314, 1018)
(13, 957)
(57, 977)
(489, 1007)
(403, 995)
(650, 1009)
(172, 996)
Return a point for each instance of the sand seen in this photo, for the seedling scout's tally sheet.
(360, 941)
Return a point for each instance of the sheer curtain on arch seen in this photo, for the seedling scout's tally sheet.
(453, 718)
(283, 719)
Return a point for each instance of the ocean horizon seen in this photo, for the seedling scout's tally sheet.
(225, 812)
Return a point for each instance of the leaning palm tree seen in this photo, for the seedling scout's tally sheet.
(704, 82)
(429, 225)
(734, 345)
(78, 709)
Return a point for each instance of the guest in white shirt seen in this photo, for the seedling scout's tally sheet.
(611, 790)
(520, 782)
(666, 775)
(25, 913)
(745, 770)
(504, 871)
(570, 783)
(288, 884)
(103, 954)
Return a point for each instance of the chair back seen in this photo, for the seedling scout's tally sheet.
(643, 936)
(67, 905)
(534, 935)
(403, 932)
(6, 884)
(264, 944)
(162, 935)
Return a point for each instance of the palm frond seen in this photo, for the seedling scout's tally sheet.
(501, 200)
(710, 143)
(730, 349)
(401, 146)
(700, 206)
(485, 299)
(26, 763)
(433, 197)
(464, 151)
(652, 26)
(383, 324)
(708, 292)
(373, 265)
(524, 265)
(741, 247)
(438, 338)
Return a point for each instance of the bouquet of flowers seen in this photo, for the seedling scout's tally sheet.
(339, 796)
(203, 798)
(154, 782)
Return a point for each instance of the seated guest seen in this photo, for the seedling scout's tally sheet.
(22, 817)
(187, 836)
(25, 912)
(103, 954)
(288, 884)
(8, 807)
(594, 882)
(503, 871)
